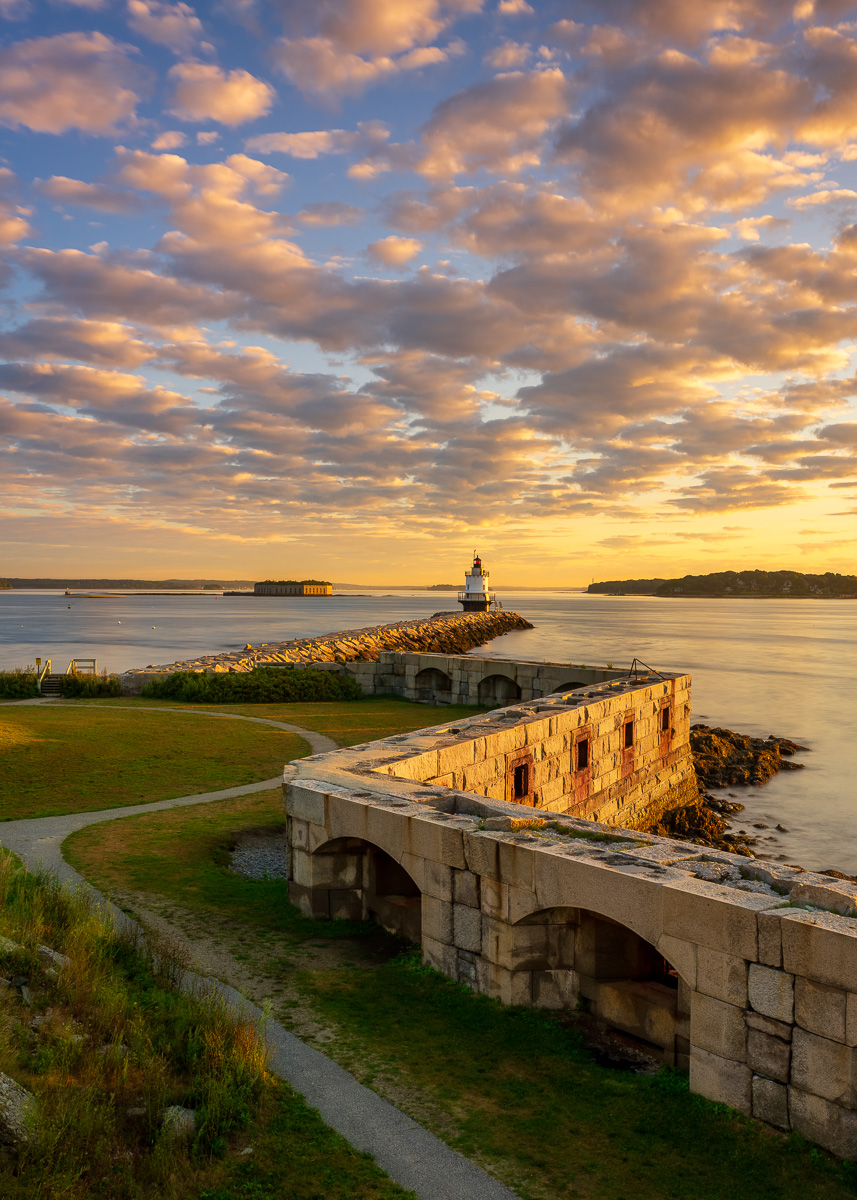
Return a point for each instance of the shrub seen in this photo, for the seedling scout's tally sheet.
(18, 684)
(261, 685)
(89, 686)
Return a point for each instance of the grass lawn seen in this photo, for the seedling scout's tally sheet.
(65, 760)
(181, 856)
(347, 722)
(513, 1089)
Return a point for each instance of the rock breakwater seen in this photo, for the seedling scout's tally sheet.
(443, 633)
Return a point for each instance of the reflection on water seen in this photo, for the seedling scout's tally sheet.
(761, 666)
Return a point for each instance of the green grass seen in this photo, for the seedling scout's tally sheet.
(348, 723)
(114, 1035)
(181, 855)
(65, 760)
(518, 1088)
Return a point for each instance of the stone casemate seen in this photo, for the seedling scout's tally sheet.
(505, 845)
(476, 597)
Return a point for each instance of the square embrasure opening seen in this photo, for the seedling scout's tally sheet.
(581, 750)
(628, 734)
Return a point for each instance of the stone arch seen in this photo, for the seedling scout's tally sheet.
(496, 690)
(630, 989)
(571, 686)
(365, 882)
(433, 686)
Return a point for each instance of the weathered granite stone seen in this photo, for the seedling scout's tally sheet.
(17, 1113)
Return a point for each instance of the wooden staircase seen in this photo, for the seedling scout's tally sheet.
(51, 685)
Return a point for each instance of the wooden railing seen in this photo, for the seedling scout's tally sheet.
(45, 670)
(82, 666)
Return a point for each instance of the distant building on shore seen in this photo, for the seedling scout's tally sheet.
(293, 587)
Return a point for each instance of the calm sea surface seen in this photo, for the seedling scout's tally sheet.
(759, 666)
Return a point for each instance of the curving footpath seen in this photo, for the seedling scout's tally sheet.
(411, 1156)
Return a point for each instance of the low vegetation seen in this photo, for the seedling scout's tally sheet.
(87, 687)
(64, 760)
(18, 685)
(109, 1051)
(260, 686)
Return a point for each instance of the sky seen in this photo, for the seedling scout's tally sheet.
(345, 289)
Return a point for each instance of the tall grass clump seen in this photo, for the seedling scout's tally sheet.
(19, 684)
(262, 685)
(105, 1043)
(89, 686)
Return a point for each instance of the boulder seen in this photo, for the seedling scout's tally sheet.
(17, 1113)
(178, 1124)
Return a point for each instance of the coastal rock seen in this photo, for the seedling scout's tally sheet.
(723, 758)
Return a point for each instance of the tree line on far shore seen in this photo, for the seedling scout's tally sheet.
(735, 583)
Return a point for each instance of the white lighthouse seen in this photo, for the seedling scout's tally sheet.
(476, 597)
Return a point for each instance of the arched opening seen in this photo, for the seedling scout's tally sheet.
(433, 686)
(391, 896)
(571, 686)
(495, 690)
(364, 882)
(631, 992)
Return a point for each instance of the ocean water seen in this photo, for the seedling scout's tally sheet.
(787, 667)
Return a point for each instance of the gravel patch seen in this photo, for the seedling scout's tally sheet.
(261, 858)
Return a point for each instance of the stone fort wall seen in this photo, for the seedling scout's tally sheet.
(743, 972)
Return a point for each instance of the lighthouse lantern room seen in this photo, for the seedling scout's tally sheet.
(476, 597)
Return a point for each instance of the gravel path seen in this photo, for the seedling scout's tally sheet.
(411, 1156)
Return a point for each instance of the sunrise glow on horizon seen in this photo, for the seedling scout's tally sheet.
(346, 289)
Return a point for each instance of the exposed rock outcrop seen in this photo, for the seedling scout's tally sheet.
(444, 633)
(723, 758)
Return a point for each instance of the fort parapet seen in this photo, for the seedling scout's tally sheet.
(514, 857)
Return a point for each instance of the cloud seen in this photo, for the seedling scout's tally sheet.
(103, 343)
(205, 92)
(825, 196)
(175, 26)
(367, 135)
(361, 42)
(394, 251)
(171, 139)
(63, 190)
(330, 212)
(514, 8)
(80, 81)
(498, 126)
(508, 55)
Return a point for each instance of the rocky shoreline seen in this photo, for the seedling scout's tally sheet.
(443, 633)
(723, 758)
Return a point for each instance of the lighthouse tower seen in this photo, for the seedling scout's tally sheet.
(476, 597)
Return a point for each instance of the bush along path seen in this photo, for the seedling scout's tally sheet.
(411, 1156)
